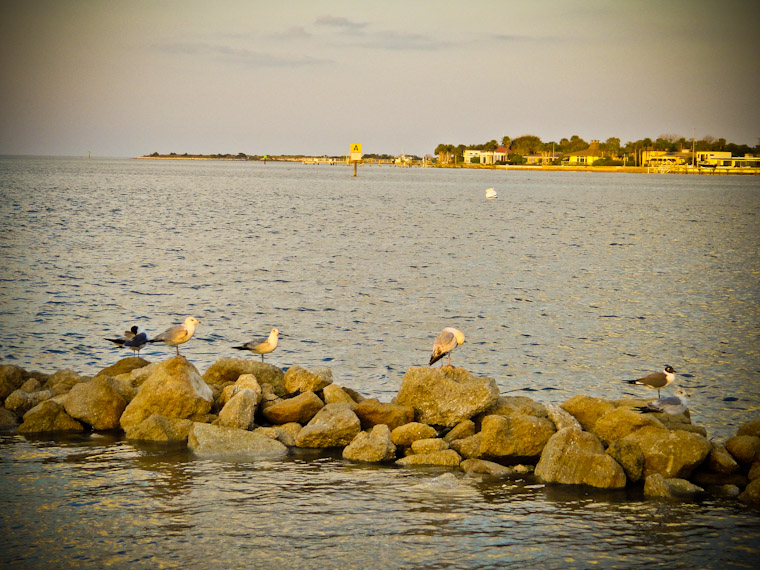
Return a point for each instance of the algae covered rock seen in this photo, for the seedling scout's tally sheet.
(656, 485)
(299, 409)
(174, 389)
(371, 412)
(621, 422)
(240, 411)
(446, 396)
(299, 379)
(335, 425)
(96, 403)
(744, 448)
(587, 410)
(671, 453)
(406, 434)
(230, 443)
(371, 446)
(49, 416)
(160, 429)
(576, 457)
(516, 437)
(227, 370)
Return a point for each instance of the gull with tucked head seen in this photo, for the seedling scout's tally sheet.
(448, 339)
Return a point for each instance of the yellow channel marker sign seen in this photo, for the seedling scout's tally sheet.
(356, 152)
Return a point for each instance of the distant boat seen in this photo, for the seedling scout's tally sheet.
(491, 194)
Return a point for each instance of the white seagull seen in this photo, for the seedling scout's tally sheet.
(445, 342)
(177, 334)
(656, 381)
(677, 404)
(262, 346)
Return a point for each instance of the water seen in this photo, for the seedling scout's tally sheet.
(567, 284)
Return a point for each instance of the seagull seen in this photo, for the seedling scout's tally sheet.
(261, 346)
(131, 339)
(677, 404)
(656, 381)
(445, 342)
(177, 334)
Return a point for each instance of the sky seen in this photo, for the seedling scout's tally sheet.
(127, 78)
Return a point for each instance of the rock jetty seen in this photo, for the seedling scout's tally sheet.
(443, 417)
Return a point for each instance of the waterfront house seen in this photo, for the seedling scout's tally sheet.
(485, 156)
(584, 157)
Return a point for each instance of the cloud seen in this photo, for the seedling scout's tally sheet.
(339, 23)
(241, 56)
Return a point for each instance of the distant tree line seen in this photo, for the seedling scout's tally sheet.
(520, 147)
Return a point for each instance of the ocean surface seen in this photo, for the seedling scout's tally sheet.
(567, 283)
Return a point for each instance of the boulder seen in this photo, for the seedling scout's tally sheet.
(227, 370)
(575, 457)
(406, 434)
(124, 366)
(754, 470)
(656, 485)
(231, 443)
(48, 416)
(371, 413)
(483, 467)
(672, 453)
(300, 409)
(744, 448)
(630, 457)
(31, 385)
(334, 394)
(720, 460)
(239, 412)
(62, 381)
(750, 428)
(160, 429)
(463, 429)
(174, 389)
(243, 381)
(446, 458)
(137, 376)
(371, 446)
(620, 422)
(96, 403)
(706, 478)
(509, 405)
(20, 401)
(516, 437)
(335, 425)
(429, 445)
(561, 418)
(468, 447)
(8, 420)
(285, 433)
(751, 494)
(299, 379)
(445, 396)
(587, 410)
(11, 378)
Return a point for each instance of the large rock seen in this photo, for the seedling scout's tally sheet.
(744, 448)
(576, 457)
(406, 434)
(561, 418)
(285, 433)
(515, 438)
(510, 405)
(630, 457)
(20, 401)
(11, 378)
(229, 443)
(96, 403)
(462, 430)
(468, 447)
(587, 410)
(446, 458)
(62, 381)
(175, 389)
(750, 428)
(671, 453)
(299, 379)
(300, 409)
(240, 411)
(243, 381)
(49, 416)
(720, 460)
(335, 425)
(621, 422)
(372, 446)
(124, 366)
(446, 396)
(751, 494)
(483, 467)
(334, 394)
(161, 429)
(429, 445)
(656, 485)
(227, 370)
(371, 413)
(8, 420)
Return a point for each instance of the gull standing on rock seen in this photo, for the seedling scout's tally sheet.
(177, 334)
(131, 339)
(262, 346)
(656, 381)
(677, 404)
(445, 342)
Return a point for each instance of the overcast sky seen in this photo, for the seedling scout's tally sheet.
(126, 78)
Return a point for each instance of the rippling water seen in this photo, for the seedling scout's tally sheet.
(568, 283)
